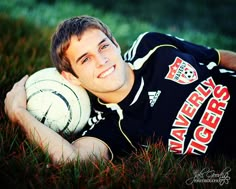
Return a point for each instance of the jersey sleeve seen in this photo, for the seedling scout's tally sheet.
(150, 40)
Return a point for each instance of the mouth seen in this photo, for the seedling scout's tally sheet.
(107, 72)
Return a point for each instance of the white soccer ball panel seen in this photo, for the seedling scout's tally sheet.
(44, 105)
(67, 107)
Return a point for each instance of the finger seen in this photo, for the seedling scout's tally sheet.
(21, 82)
(5, 102)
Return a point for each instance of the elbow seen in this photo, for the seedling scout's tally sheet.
(64, 157)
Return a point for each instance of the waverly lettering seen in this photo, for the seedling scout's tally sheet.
(208, 122)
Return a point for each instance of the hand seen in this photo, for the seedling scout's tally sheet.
(16, 99)
(228, 59)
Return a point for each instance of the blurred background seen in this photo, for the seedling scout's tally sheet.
(26, 26)
(127, 18)
(203, 15)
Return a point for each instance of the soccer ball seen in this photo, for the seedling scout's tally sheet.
(56, 103)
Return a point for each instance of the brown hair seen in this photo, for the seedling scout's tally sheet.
(61, 38)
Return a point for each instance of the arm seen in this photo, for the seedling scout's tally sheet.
(227, 59)
(59, 149)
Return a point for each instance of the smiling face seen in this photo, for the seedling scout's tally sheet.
(98, 63)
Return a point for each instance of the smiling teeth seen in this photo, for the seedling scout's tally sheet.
(106, 73)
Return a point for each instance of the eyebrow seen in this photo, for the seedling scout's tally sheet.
(79, 58)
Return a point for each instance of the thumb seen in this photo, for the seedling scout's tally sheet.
(21, 82)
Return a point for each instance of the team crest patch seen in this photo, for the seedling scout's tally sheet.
(181, 72)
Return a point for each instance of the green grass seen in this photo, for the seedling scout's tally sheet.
(25, 33)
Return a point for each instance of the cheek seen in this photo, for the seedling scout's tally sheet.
(79, 70)
(86, 74)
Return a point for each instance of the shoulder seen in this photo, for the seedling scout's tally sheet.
(157, 37)
(146, 44)
(153, 38)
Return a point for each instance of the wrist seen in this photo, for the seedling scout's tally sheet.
(20, 115)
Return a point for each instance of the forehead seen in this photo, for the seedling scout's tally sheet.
(89, 34)
(85, 42)
(89, 37)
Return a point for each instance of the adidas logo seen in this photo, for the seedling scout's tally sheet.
(153, 96)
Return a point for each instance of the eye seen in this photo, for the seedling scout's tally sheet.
(105, 46)
(84, 60)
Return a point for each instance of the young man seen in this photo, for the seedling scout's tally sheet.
(163, 88)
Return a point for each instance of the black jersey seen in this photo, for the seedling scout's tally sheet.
(180, 96)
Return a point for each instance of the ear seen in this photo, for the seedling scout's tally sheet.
(71, 78)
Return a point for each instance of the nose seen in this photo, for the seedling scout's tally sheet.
(101, 59)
